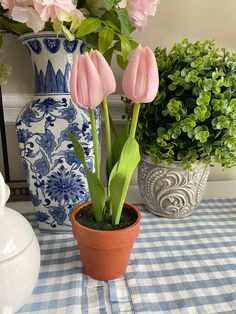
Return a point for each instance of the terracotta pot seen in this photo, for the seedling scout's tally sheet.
(105, 254)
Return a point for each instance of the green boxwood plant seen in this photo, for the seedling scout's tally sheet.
(193, 116)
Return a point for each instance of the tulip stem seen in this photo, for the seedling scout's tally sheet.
(95, 142)
(108, 134)
(134, 120)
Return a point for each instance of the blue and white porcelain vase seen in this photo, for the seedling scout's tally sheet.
(56, 178)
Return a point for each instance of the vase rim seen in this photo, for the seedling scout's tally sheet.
(40, 35)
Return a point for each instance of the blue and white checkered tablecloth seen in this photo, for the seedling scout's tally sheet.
(177, 266)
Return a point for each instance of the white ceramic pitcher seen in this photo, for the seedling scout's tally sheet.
(19, 256)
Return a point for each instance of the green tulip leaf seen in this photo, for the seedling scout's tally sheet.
(120, 177)
(118, 144)
(96, 188)
(117, 147)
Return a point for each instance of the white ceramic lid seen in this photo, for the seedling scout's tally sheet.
(15, 231)
(15, 234)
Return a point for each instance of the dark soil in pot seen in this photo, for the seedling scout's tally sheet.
(86, 218)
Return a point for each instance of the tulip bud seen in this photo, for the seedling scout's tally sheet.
(86, 87)
(141, 79)
(105, 72)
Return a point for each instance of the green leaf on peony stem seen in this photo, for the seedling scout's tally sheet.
(88, 26)
(92, 40)
(123, 17)
(133, 44)
(109, 4)
(108, 54)
(111, 25)
(105, 39)
(14, 27)
(125, 46)
(121, 62)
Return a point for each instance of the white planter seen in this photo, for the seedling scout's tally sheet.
(19, 256)
(169, 190)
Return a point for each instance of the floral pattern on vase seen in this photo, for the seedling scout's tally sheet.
(56, 178)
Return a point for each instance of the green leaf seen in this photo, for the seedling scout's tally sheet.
(117, 45)
(88, 26)
(109, 4)
(123, 17)
(117, 146)
(105, 39)
(18, 28)
(92, 40)
(120, 61)
(119, 143)
(67, 33)
(133, 44)
(108, 54)
(120, 177)
(96, 188)
(202, 136)
(233, 103)
(111, 25)
(125, 46)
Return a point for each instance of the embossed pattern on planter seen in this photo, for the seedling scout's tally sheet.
(169, 190)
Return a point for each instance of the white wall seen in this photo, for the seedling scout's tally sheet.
(175, 19)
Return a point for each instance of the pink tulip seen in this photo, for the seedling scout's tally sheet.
(105, 72)
(86, 87)
(141, 79)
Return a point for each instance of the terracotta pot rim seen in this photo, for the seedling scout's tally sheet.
(78, 207)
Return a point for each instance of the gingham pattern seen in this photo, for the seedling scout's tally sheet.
(177, 266)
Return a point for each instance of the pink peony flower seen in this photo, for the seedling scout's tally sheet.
(50, 9)
(8, 4)
(139, 10)
(78, 13)
(28, 16)
(64, 16)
